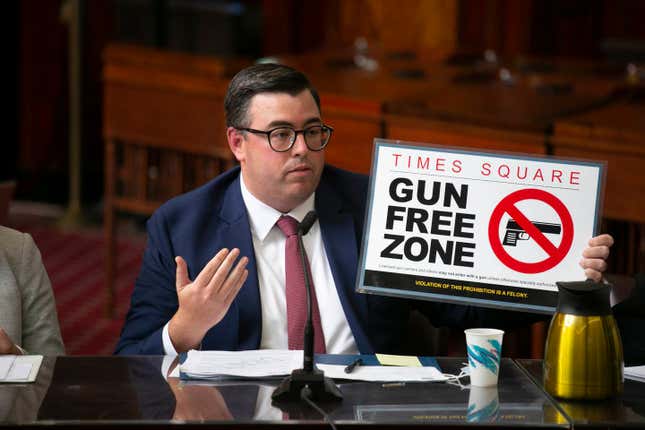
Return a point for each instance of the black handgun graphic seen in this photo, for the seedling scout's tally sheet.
(514, 232)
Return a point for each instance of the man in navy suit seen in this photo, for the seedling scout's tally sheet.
(213, 272)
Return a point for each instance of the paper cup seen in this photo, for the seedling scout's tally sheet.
(484, 347)
(483, 404)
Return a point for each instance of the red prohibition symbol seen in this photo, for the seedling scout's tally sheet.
(555, 253)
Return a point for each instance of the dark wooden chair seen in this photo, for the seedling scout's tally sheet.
(164, 133)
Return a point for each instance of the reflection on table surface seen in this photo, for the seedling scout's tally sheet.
(103, 390)
(19, 403)
(627, 410)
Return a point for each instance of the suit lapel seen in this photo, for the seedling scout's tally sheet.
(339, 238)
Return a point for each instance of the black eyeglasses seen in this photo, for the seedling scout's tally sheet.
(281, 139)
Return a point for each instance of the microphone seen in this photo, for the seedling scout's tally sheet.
(308, 378)
(306, 224)
(308, 343)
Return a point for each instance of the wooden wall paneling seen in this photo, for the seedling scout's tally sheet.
(520, 106)
(614, 134)
(99, 29)
(414, 129)
(109, 225)
(625, 187)
(505, 26)
(10, 43)
(624, 197)
(480, 25)
(517, 22)
(353, 100)
(140, 173)
(278, 31)
(355, 127)
(166, 98)
(387, 26)
(126, 180)
(567, 28)
(623, 20)
(555, 28)
(171, 165)
(43, 93)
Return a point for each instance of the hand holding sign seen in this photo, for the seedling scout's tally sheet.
(594, 256)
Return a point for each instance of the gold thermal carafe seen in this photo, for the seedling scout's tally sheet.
(583, 357)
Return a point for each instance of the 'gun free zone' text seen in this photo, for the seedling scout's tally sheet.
(453, 228)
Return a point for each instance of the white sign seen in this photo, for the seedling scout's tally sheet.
(476, 227)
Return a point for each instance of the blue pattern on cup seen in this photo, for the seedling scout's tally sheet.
(489, 358)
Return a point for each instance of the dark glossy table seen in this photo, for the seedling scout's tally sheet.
(625, 411)
(131, 391)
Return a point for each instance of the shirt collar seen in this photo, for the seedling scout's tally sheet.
(263, 217)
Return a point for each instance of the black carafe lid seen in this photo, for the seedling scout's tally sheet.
(584, 298)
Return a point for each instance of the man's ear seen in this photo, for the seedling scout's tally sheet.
(236, 143)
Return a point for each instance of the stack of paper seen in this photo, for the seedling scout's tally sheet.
(636, 373)
(267, 363)
(19, 368)
(384, 373)
(240, 364)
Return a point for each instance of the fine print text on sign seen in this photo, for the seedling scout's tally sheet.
(475, 227)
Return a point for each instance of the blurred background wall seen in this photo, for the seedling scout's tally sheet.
(36, 47)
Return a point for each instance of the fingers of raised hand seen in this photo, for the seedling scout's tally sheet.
(211, 268)
(595, 264)
(235, 281)
(227, 276)
(601, 252)
(593, 274)
(181, 276)
(601, 240)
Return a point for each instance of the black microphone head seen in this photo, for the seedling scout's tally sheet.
(307, 222)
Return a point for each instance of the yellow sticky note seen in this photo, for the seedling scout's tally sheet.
(398, 360)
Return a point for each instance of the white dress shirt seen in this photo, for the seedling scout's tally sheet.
(268, 245)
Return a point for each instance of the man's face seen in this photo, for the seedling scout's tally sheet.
(282, 180)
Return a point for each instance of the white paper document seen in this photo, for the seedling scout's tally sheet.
(240, 364)
(384, 373)
(19, 368)
(636, 373)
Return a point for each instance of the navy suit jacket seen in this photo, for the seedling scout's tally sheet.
(198, 224)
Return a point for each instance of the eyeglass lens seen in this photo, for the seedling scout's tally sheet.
(316, 137)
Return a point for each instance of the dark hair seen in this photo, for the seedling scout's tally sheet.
(262, 78)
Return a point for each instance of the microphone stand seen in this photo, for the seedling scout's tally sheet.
(309, 379)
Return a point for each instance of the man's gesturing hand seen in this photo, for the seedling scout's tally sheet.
(204, 302)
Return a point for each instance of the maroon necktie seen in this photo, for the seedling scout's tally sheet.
(296, 291)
